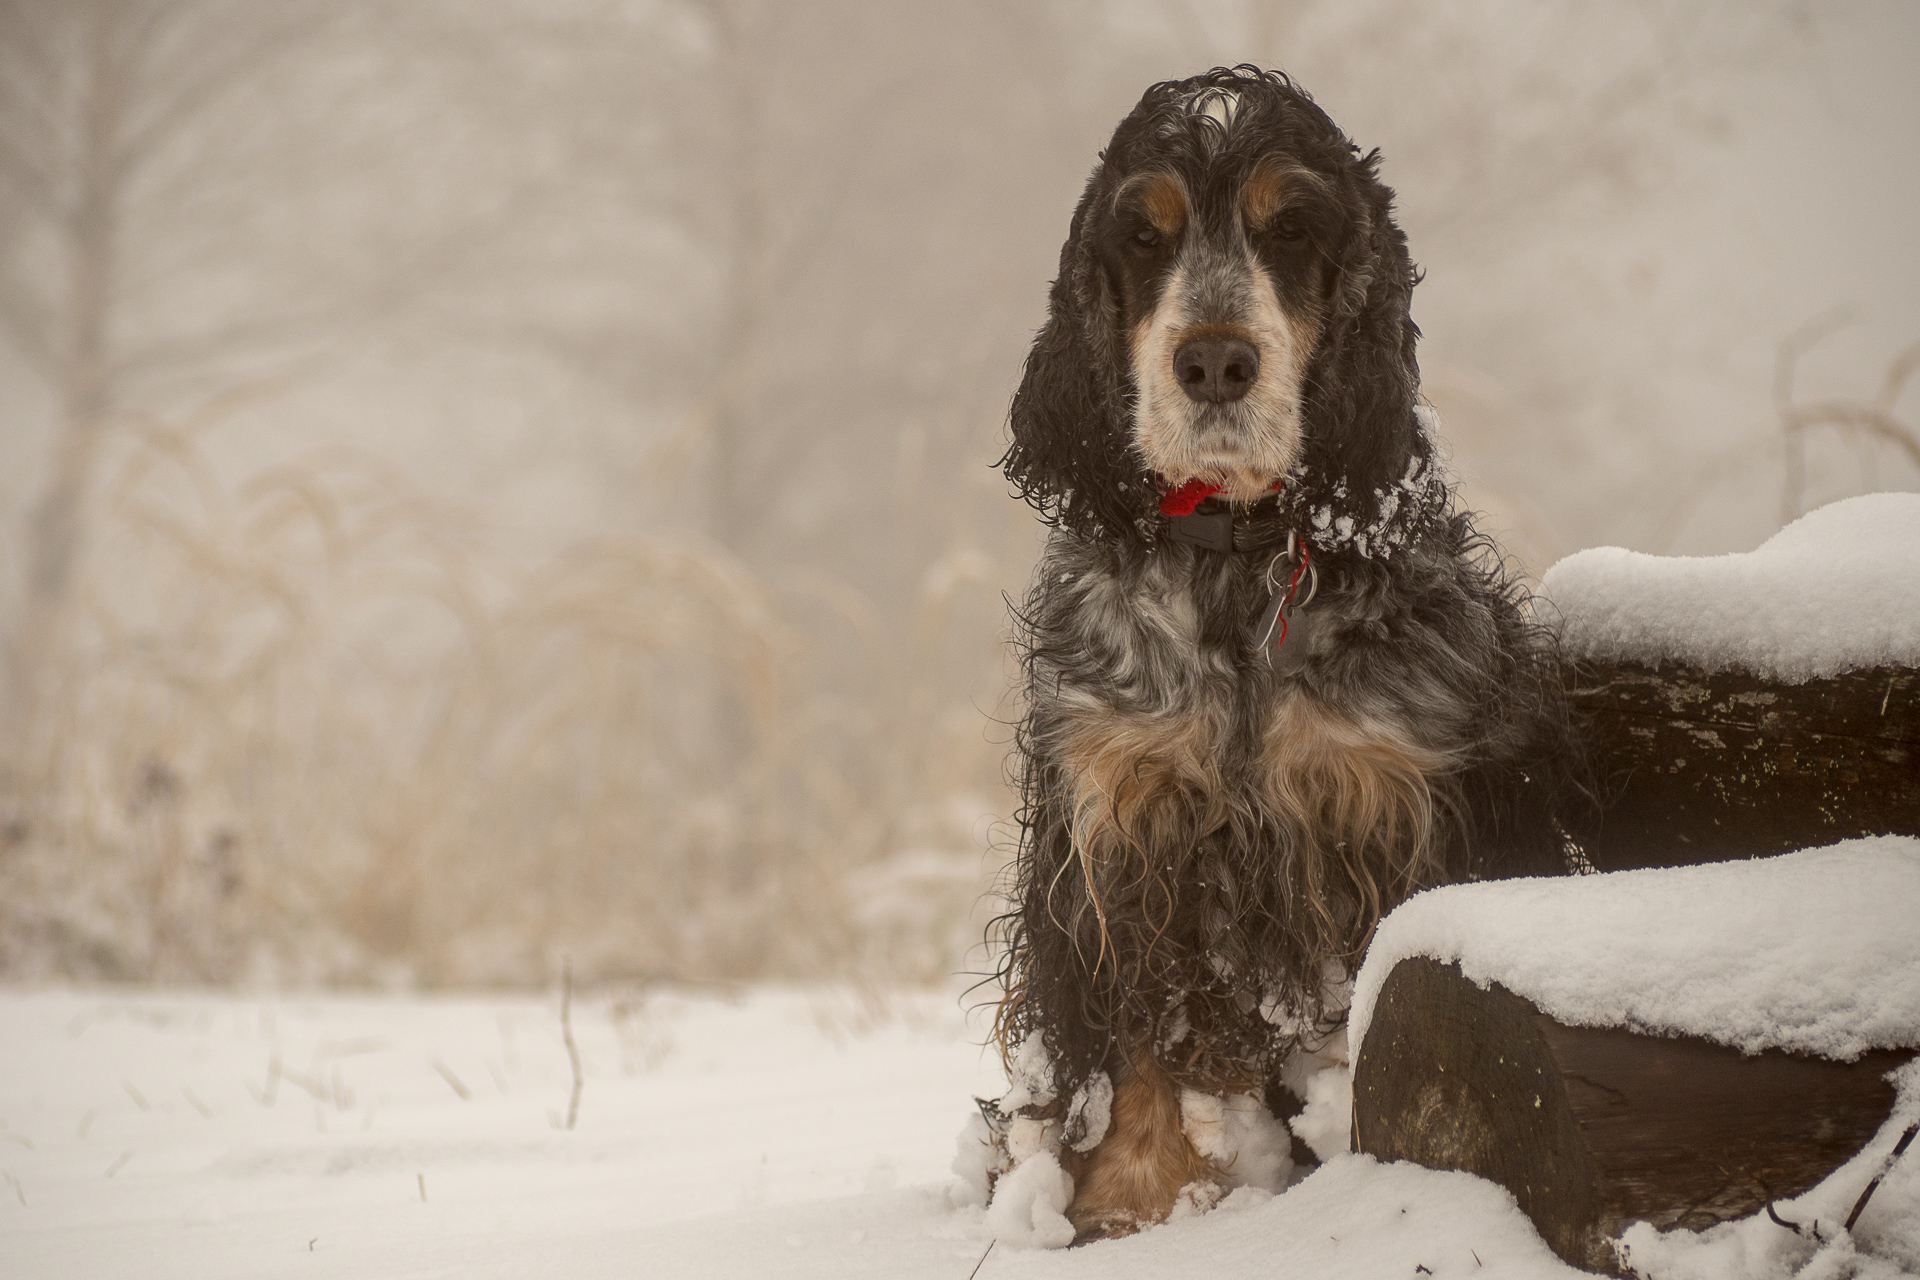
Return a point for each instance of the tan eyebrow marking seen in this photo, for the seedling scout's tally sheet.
(1266, 189)
(1161, 196)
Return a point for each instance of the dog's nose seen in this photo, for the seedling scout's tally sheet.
(1216, 370)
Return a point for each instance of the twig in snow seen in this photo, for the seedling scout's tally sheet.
(1899, 1149)
(17, 1189)
(198, 1105)
(86, 1123)
(452, 1079)
(983, 1260)
(134, 1093)
(422, 1178)
(115, 1166)
(566, 1033)
(1778, 1221)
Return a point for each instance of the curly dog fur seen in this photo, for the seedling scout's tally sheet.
(1209, 837)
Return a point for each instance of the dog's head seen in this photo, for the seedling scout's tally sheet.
(1231, 308)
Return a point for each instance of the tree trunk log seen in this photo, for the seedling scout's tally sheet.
(1697, 768)
(1593, 1129)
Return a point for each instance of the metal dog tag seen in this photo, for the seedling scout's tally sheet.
(1281, 633)
(1270, 623)
(1287, 655)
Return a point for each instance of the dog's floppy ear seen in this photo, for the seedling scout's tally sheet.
(1370, 479)
(1071, 453)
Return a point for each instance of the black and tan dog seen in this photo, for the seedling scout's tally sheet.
(1274, 681)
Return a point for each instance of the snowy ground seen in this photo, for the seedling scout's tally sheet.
(778, 1133)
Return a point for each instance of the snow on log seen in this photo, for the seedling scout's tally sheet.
(1750, 704)
(1677, 1047)
(1837, 590)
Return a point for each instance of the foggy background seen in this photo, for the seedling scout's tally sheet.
(483, 482)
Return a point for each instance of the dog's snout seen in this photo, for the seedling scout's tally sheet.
(1216, 370)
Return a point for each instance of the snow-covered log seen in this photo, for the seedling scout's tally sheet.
(1593, 1129)
(1677, 1047)
(1750, 704)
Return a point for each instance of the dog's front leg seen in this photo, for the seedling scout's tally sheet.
(1137, 1174)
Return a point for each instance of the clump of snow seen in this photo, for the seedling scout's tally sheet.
(1012, 1164)
(1318, 1072)
(1030, 1204)
(977, 1161)
(1240, 1136)
(1030, 1077)
(1812, 952)
(1326, 1123)
(1836, 590)
(1090, 1112)
(1027, 1137)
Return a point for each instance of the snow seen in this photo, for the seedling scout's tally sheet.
(1836, 590)
(766, 1133)
(1240, 1136)
(1030, 1076)
(1090, 1112)
(1319, 1073)
(1326, 1123)
(1030, 1204)
(1812, 952)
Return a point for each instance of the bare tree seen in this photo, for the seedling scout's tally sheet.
(98, 102)
(158, 161)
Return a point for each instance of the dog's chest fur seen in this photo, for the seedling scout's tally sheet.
(1197, 790)
(1161, 647)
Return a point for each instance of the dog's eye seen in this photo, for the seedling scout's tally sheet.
(1287, 229)
(1147, 238)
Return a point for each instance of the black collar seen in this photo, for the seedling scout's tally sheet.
(1221, 526)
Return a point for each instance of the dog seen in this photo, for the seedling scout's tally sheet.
(1274, 681)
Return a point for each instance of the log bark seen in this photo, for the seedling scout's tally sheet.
(1593, 1129)
(1697, 767)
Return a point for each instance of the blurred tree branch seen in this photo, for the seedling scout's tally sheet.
(94, 93)
(154, 253)
(1872, 419)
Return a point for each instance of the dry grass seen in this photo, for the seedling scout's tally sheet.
(305, 729)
